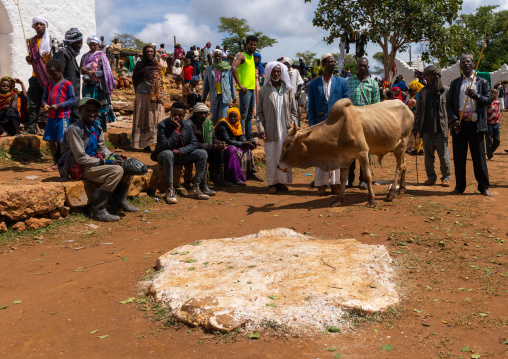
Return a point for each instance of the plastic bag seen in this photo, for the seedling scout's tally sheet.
(134, 167)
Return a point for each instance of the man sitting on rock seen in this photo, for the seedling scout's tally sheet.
(85, 156)
(177, 145)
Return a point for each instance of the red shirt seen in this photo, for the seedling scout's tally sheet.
(188, 72)
(493, 113)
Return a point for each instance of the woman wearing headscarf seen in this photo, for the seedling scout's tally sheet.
(98, 80)
(177, 74)
(276, 110)
(9, 114)
(397, 91)
(149, 101)
(239, 163)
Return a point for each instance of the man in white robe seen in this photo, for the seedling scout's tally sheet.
(296, 84)
(275, 112)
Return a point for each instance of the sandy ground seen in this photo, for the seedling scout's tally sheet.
(450, 255)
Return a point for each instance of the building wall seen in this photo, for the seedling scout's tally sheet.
(61, 15)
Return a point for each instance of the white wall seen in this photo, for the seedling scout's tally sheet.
(61, 15)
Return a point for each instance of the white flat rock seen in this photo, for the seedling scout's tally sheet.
(223, 284)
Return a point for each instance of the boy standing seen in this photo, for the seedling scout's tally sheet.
(57, 98)
(122, 77)
(188, 71)
(492, 135)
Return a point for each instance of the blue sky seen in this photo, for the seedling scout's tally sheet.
(195, 21)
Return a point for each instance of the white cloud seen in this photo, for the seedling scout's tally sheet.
(108, 21)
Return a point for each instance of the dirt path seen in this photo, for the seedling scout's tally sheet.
(450, 254)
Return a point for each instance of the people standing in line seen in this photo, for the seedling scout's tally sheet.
(39, 54)
(471, 131)
(67, 54)
(57, 99)
(149, 100)
(219, 85)
(363, 91)
(275, 112)
(431, 122)
(98, 80)
(493, 136)
(115, 48)
(244, 73)
(323, 93)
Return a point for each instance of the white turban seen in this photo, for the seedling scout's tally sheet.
(45, 46)
(287, 61)
(218, 51)
(325, 56)
(284, 75)
(92, 38)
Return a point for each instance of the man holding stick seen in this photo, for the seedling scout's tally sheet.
(466, 105)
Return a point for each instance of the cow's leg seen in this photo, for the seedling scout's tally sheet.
(367, 177)
(343, 179)
(399, 156)
(402, 154)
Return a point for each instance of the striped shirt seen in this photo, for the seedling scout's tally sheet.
(62, 95)
(363, 93)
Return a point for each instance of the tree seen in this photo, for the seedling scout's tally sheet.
(467, 34)
(349, 61)
(379, 60)
(389, 23)
(238, 29)
(128, 41)
(308, 56)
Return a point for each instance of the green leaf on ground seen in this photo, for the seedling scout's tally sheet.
(191, 260)
(337, 356)
(273, 297)
(128, 300)
(174, 253)
(505, 342)
(184, 253)
(148, 271)
(17, 302)
(372, 285)
(141, 300)
(191, 268)
(125, 258)
(331, 328)
(4, 307)
(271, 304)
(94, 331)
(475, 356)
(387, 347)
(254, 335)
(333, 349)
(103, 336)
(465, 349)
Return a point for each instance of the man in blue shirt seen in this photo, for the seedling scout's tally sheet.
(323, 93)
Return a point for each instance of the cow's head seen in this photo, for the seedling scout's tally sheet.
(293, 149)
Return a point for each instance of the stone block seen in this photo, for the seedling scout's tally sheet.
(77, 193)
(55, 215)
(21, 202)
(19, 226)
(119, 139)
(3, 227)
(37, 223)
(64, 211)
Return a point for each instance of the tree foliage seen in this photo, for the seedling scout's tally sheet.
(308, 56)
(391, 24)
(129, 41)
(466, 35)
(238, 30)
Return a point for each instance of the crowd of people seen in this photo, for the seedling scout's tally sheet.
(220, 138)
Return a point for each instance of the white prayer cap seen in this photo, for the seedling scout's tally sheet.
(287, 61)
(92, 38)
(37, 19)
(325, 56)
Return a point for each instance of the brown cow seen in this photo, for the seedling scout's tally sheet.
(351, 133)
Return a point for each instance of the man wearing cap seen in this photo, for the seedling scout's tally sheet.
(72, 47)
(85, 156)
(475, 94)
(431, 122)
(39, 54)
(323, 93)
(363, 91)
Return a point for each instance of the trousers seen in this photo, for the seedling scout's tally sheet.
(167, 160)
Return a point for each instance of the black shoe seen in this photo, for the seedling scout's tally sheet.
(120, 198)
(196, 193)
(204, 186)
(456, 192)
(219, 179)
(99, 201)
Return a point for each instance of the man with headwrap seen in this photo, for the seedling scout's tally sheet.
(296, 84)
(323, 93)
(431, 122)
(39, 54)
(275, 111)
(218, 83)
(469, 98)
(72, 47)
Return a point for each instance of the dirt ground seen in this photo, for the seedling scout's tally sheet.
(62, 286)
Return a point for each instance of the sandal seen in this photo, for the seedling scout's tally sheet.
(52, 168)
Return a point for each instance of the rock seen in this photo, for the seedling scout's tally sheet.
(119, 105)
(119, 139)
(137, 185)
(306, 283)
(259, 155)
(3, 227)
(64, 211)
(77, 193)
(55, 215)
(25, 201)
(19, 226)
(37, 223)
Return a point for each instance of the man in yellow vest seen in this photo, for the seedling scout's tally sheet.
(244, 73)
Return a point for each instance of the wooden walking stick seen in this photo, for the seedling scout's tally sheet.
(474, 76)
(22, 27)
(417, 150)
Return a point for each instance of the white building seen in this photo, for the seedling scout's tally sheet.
(61, 15)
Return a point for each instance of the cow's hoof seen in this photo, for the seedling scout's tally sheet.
(390, 196)
(336, 203)
(401, 191)
(371, 203)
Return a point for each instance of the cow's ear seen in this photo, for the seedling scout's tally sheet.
(301, 137)
(292, 130)
(295, 127)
